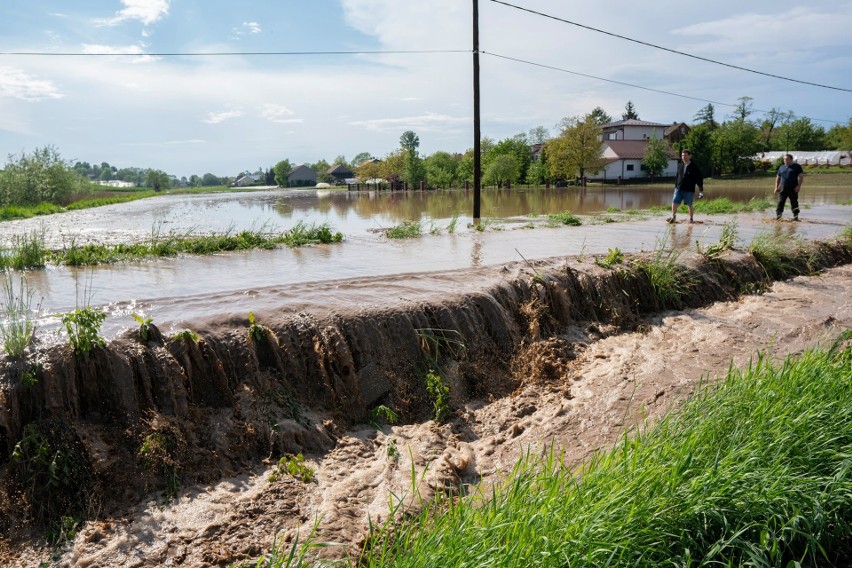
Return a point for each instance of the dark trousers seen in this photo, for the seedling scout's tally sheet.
(794, 202)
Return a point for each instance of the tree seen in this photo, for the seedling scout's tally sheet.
(503, 168)
(282, 172)
(340, 159)
(576, 150)
(519, 149)
(321, 168)
(706, 116)
(409, 140)
(743, 109)
(369, 170)
(601, 117)
(699, 141)
(40, 177)
(360, 158)
(538, 135)
(441, 169)
(802, 135)
(210, 180)
(157, 180)
(735, 143)
(629, 112)
(839, 137)
(767, 128)
(393, 165)
(656, 156)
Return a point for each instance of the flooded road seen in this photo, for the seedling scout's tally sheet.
(174, 291)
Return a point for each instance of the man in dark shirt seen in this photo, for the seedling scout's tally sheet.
(788, 182)
(688, 178)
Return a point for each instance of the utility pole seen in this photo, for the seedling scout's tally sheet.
(477, 162)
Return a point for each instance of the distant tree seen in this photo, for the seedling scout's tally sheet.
(393, 165)
(502, 169)
(743, 109)
(601, 117)
(699, 141)
(706, 116)
(194, 181)
(735, 143)
(839, 136)
(774, 118)
(538, 172)
(158, 180)
(40, 177)
(210, 180)
(409, 140)
(414, 170)
(281, 171)
(538, 135)
(321, 168)
(629, 112)
(517, 147)
(441, 169)
(802, 135)
(369, 169)
(656, 156)
(360, 158)
(577, 149)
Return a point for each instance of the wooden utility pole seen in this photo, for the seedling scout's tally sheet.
(477, 162)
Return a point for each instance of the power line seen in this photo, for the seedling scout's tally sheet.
(222, 53)
(670, 93)
(645, 43)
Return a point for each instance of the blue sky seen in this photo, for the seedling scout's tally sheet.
(225, 114)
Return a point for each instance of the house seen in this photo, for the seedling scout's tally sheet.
(117, 183)
(302, 175)
(339, 173)
(623, 148)
(676, 132)
(247, 180)
(624, 160)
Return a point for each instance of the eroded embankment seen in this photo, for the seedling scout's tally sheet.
(92, 434)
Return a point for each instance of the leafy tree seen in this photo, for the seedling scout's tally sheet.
(773, 119)
(369, 169)
(340, 159)
(576, 150)
(517, 147)
(503, 168)
(538, 172)
(409, 140)
(630, 112)
(413, 171)
(321, 168)
(441, 168)
(538, 135)
(210, 180)
(601, 117)
(393, 166)
(360, 158)
(158, 180)
(706, 116)
(282, 172)
(700, 142)
(656, 156)
(839, 137)
(802, 135)
(735, 142)
(40, 177)
(743, 109)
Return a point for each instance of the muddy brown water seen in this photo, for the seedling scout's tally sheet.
(176, 293)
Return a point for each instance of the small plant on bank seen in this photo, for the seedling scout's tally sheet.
(434, 341)
(83, 326)
(615, 256)
(393, 450)
(382, 415)
(301, 234)
(564, 218)
(777, 254)
(157, 454)
(144, 326)
(186, 335)
(295, 467)
(405, 230)
(17, 327)
(255, 331)
(454, 221)
(439, 393)
(665, 275)
(27, 251)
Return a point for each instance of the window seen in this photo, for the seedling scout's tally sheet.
(629, 167)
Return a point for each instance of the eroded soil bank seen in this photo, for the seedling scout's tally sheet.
(563, 352)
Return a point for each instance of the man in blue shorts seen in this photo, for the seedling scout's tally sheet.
(788, 182)
(688, 178)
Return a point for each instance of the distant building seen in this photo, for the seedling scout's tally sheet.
(247, 180)
(302, 176)
(117, 183)
(623, 147)
(339, 173)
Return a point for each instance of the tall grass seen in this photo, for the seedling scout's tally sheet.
(17, 324)
(26, 251)
(755, 471)
(666, 275)
(405, 230)
(780, 255)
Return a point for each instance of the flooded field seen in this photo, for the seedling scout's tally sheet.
(190, 288)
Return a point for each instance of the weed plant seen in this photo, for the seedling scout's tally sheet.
(26, 251)
(295, 467)
(186, 335)
(754, 471)
(256, 331)
(727, 240)
(564, 218)
(666, 275)
(157, 453)
(83, 326)
(17, 326)
(144, 326)
(439, 393)
(435, 342)
(613, 257)
(405, 230)
(11, 212)
(454, 221)
(381, 415)
(302, 234)
(777, 253)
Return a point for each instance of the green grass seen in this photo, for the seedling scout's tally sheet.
(666, 275)
(11, 212)
(778, 254)
(17, 315)
(564, 218)
(754, 471)
(101, 201)
(405, 230)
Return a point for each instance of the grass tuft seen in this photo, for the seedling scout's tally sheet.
(405, 230)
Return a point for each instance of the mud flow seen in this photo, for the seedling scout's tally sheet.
(167, 447)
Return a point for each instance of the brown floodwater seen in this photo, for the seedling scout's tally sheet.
(177, 290)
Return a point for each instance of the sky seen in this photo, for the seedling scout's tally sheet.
(214, 86)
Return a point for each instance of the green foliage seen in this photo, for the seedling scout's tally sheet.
(392, 450)
(382, 415)
(83, 326)
(186, 335)
(295, 467)
(144, 326)
(40, 177)
(405, 230)
(577, 149)
(727, 240)
(656, 156)
(613, 257)
(564, 218)
(255, 331)
(666, 275)
(753, 471)
(778, 254)
(454, 221)
(302, 234)
(434, 342)
(17, 326)
(11, 212)
(27, 251)
(439, 393)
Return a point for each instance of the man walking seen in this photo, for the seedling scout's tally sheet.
(788, 182)
(688, 178)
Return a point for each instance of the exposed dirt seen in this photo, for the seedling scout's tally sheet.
(545, 377)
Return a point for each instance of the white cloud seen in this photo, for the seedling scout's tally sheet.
(252, 27)
(146, 11)
(276, 113)
(18, 84)
(219, 117)
(426, 122)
